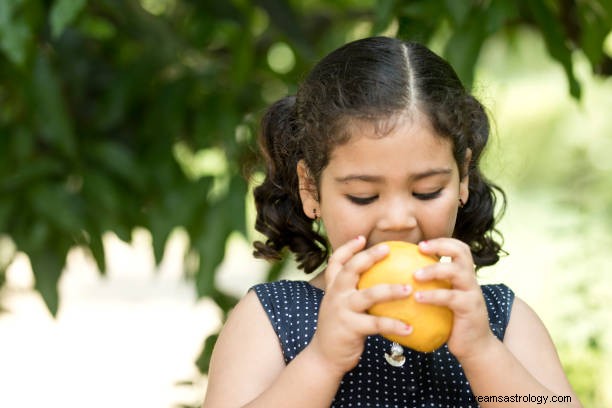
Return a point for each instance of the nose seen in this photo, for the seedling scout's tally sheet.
(398, 215)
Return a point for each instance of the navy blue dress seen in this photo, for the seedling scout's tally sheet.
(425, 380)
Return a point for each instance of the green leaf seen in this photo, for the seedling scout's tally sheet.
(555, 41)
(42, 169)
(595, 24)
(458, 10)
(47, 266)
(103, 194)
(63, 12)
(463, 48)
(178, 207)
(119, 160)
(62, 209)
(500, 13)
(236, 204)
(210, 245)
(419, 20)
(96, 247)
(6, 209)
(203, 360)
(15, 32)
(285, 19)
(54, 123)
(383, 14)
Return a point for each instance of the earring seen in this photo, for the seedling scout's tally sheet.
(317, 220)
(461, 203)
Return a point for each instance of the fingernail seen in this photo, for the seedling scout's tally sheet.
(424, 244)
(382, 248)
(407, 329)
(407, 289)
(419, 274)
(419, 296)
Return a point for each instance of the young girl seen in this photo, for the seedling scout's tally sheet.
(382, 142)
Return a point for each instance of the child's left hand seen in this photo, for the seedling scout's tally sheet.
(471, 332)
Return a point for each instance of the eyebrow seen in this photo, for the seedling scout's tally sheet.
(378, 179)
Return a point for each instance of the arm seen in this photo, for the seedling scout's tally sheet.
(247, 366)
(530, 363)
(526, 363)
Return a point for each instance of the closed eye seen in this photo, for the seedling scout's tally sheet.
(428, 196)
(362, 200)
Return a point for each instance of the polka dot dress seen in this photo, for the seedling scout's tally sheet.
(425, 380)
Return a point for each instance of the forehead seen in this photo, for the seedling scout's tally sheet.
(409, 145)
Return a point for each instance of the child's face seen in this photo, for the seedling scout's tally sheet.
(401, 186)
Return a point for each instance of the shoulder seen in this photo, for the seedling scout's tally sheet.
(529, 341)
(246, 352)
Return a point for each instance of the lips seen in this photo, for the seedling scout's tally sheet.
(371, 243)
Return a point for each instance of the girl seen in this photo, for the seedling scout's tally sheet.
(382, 142)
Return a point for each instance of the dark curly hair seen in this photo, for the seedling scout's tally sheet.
(375, 80)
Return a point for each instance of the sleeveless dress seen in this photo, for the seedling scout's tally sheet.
(425, 380)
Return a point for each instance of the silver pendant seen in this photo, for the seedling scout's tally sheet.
(396, 358)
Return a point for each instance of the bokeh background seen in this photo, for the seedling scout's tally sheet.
(126, 128)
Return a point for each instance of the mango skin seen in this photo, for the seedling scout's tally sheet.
(432, 325)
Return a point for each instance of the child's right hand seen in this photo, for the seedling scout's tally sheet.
(343, 322)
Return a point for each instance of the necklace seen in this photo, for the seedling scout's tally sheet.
(396, 358)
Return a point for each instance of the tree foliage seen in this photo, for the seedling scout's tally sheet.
(117, 114)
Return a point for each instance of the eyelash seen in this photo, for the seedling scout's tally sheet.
(369, 200)
(361, 200)
(428, 196)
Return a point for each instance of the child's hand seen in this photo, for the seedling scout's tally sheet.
(471, 332)
(343, 321)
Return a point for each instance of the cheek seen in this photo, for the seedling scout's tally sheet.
(440, 220)
(340, 225)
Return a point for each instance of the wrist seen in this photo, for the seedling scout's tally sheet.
(322, 365)
(482, 350)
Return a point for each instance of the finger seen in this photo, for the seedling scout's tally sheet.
(368, 325)
(438, 297)
(361, 262)
(458, 251)
(446, 271)
(340, 256)
(457, 300)
(364, 299)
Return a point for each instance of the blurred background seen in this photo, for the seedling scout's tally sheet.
(126, 131)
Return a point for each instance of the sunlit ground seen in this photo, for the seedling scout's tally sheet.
(126, 339)
(119, 341)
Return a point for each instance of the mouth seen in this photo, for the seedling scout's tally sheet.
(370, 244)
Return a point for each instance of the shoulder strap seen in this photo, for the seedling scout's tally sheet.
(293, 309)
(499, 299)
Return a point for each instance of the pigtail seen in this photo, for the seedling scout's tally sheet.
(477, 219)
(461, 117)
(280, 216)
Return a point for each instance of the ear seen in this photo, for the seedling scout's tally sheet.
(308, 190)
(464, 192)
